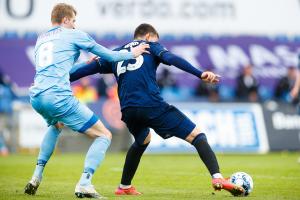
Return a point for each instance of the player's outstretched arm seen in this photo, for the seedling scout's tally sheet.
(83, 41)
(84, 69)
(184, 65)
(93, 66)
(114, 56)
(172, 59)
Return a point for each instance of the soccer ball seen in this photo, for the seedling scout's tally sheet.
(243, 179)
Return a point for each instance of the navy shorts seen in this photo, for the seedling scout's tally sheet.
(166, 120)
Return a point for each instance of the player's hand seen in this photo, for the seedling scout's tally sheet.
(210, 77)
(138, 50)
(92, 59)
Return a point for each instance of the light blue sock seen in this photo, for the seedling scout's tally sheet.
(46, 150)
(86, 178)
(94, 157)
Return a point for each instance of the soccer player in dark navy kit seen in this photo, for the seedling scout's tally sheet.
(142, 106)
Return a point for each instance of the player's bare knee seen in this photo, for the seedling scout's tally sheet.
(103, 133)
(107, 134)
(196, 131)
(98, 130)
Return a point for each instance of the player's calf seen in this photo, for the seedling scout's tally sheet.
(205, 152)
(209, 158)
(94, 157)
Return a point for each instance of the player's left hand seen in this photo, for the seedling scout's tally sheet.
(210, 77)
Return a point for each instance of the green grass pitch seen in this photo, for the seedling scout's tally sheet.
(276, 176)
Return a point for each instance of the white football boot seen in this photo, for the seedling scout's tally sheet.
(32, 186)
(87, 191)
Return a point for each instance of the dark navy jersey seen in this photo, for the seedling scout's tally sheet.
(136, 78)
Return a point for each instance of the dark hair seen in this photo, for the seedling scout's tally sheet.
(144, 29)
(60, 11)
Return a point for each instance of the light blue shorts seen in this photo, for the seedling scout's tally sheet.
(65, 109)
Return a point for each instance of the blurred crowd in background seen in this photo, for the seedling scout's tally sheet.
(7, 96)
(93, 89)
(220, 35)
(247, 88)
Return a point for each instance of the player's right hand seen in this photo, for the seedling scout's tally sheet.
(210, 77)
(138, 50)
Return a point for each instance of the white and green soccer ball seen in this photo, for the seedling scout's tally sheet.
(244, 180)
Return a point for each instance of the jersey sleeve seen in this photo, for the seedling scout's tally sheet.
(86, 42)
(169, 58)
(83, 40)
(105, 66)
(85, 69)
(158, 50)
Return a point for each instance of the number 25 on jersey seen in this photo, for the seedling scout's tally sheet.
(130, 67)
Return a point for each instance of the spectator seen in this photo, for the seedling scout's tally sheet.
(7, 95)
(112, 92)
(101, 87)
(294, 93)
(8, 86)
(207, 90)
(285, 84)
(85, 92)
(247, 85)
(166, 79)
(295, 90)
(3, 147)
(3, 78)
(168, 86)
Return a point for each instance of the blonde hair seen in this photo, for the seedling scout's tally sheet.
(60, 11)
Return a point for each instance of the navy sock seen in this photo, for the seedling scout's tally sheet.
(206, 153)
(132, 161)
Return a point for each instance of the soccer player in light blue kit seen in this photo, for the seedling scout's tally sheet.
(51, 96)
